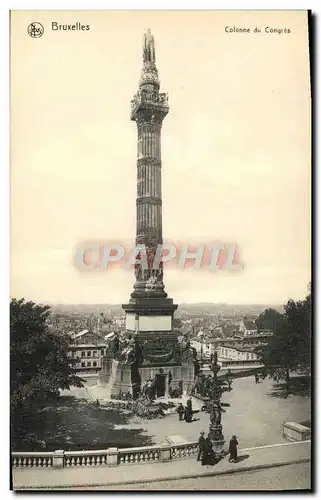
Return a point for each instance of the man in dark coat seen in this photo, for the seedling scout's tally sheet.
(208, 454)
(180, 410)
(189, 411)
(233, 449)
(201, 444)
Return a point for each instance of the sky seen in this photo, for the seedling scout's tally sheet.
(235, 150)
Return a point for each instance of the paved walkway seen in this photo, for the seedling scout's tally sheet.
(249, 459)
(256, 420)
(287, 477)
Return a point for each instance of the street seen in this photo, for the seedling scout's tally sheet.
(254, 415)
(289, 477)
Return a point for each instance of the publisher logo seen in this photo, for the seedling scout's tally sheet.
(35, 30)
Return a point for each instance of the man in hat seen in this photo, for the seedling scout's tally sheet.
(180, 410)
(208, 453)
(201, 443)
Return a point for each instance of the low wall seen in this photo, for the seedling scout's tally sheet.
(296, 432)
(198, 401)
(112, 457)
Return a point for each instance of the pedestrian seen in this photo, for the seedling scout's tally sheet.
(208, 454)
(256, 378)
(189, 410)
(180, 410)
(233, 449)
(201, 444)
(188, 414)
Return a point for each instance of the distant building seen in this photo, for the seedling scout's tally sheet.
(239, 352)
(251, 340)
(204, 346)
(87, 348)
(248, 328)
(229, 330)
(120, 321)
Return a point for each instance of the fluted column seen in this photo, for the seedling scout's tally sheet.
(149, 108)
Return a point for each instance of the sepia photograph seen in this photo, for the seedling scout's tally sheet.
(160, 226)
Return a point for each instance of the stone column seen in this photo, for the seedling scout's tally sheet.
(149, 115)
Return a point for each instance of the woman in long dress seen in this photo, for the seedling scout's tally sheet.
(233, 449)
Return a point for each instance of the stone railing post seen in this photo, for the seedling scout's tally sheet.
(58, 459)
(112, 457)
(165, 454)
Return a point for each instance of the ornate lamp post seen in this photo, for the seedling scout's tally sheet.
(215, 407)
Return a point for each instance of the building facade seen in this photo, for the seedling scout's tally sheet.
(237, 352)
(204, 347)
(88, 349)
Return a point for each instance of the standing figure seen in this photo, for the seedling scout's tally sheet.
(189, 410)
(201, 446)
(114, 345)
(233, 449)
(180, 410)
(208, 454)
(148, 47)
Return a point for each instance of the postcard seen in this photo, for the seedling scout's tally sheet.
(160, 309)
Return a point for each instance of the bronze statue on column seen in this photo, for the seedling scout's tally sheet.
(148, 47)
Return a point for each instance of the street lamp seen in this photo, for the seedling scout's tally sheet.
(215, 407)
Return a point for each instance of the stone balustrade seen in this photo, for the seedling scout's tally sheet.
(32, 459)
(184, 451)
(139, 455)
(110, 457)
(92, 458)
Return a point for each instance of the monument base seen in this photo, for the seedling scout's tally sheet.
(150, 306)
(218, 448)
(151, 357)
(167, 378)
(119, 380)
(217, 438)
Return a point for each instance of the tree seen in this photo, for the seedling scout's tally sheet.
(268, 320)
(39, 361)
(289, 348)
